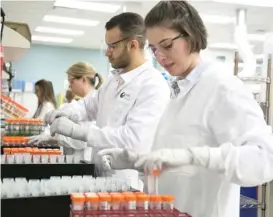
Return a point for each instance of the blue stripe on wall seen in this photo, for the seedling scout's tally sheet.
(51, 63)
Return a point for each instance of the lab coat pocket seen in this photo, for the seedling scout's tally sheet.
(121, 109)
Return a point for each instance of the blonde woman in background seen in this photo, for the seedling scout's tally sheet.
(46, 98)
(83, 80)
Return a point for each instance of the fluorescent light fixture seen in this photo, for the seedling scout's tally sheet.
(51, 39)
(59, 31)
(260, 3)
(90, 6)
(225, 46)
(259, 56)
(69, 20)
(257, 37)
(217, 19)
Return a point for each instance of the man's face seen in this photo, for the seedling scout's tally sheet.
(117, 50)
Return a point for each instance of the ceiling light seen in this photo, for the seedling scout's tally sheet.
(217, 19)
(257, 37)
(226, 46)
(59, 31)
(51, 39)
(90, 6)
(260, 3)
(69, 20)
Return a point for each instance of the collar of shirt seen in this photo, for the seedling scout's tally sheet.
(128, 76)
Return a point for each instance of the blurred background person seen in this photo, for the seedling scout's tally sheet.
(83, 80)
(46, 98)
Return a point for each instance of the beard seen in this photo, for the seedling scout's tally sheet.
(122, 61)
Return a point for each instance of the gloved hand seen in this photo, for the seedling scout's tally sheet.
(164, 159)
(116, 159)
(42, 138)
(66, 127)
(69, 113)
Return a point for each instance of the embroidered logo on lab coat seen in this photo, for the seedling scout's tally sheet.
(122, 95)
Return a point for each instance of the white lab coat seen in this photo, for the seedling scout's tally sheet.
(76, 147)
(127, 110)
(214, 109)
(44, 108)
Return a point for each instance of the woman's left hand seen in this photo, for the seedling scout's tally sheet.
(164, 159)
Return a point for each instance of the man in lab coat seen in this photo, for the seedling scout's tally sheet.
(129, 105)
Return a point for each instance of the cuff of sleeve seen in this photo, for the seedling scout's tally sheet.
(92, 137)
(215, 158)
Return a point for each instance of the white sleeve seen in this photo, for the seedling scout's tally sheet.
(47, 107)
(86, 108)
(245, 155)
(138, 131)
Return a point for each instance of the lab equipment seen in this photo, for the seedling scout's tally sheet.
(152, 182)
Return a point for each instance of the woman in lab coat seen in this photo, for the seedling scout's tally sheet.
(212, 138)
(83, 80)
(46, 98)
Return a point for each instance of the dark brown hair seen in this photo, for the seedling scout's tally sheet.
(182, 17)
(131, 25)
(46, 91)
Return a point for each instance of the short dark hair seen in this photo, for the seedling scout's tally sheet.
(131, 25)
(182, 17)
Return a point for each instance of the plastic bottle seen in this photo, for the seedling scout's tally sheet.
(130, 201)
(105, 201)
(153, 182)
(155, 202)
(92, 201)
(142, 201)
(167, 202)
(78, 200)
(117, 201)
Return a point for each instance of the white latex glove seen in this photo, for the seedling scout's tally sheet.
(66, 127)
(164, 159)
(41, 138)
(116, 159)
(68, 113)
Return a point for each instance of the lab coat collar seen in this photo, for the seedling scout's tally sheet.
(129, 76)
(187, 83)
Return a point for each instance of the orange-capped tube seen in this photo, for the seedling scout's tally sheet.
(142, 201)
(105, 201)
(155, 201)
(117, 201)
(78, 201)
(130, 201)
(167, 202)
(7, 150)
(92, 201)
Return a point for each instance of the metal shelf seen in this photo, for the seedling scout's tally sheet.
(248, 203)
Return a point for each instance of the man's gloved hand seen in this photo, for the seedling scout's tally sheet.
(68, 113)
(164, 159)
(66, 127)
(116, 159)
(42, 138)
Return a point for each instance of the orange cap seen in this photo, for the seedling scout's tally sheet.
(6, 150)
(14, 150)
(129, 197)
(92, 197)
(127, 192)
(142, 197)
(139, 193)
(105, 197)
(117, 197)
(167, 198)
(21, 150)
(156, 173)
(155, 197)
(77, 197)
